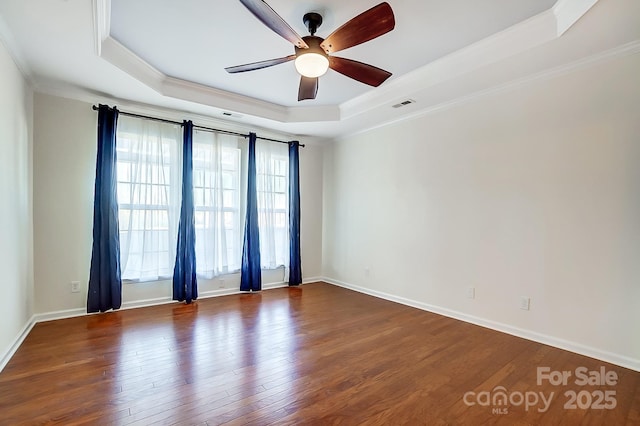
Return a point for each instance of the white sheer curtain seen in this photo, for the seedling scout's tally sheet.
(272, 164)
(217, 199)
(149, 156)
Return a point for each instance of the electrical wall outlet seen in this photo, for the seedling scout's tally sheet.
(367, 272)
(524, 303)
(222, 284)
(75, 286)
(471, 293)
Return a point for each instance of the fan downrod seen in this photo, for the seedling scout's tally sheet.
(312, 20)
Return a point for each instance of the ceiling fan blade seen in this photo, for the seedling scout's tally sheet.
(368, 25)
(271, 19)
(364, 73)
(308, 88)
(259, 65)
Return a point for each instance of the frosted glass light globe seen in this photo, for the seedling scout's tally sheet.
(312, 64)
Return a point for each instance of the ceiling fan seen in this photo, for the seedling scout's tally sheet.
(313, 54)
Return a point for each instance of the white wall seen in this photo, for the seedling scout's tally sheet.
(533, 191)
(311, 191)
(64, 159)
(64, 173)
(16, 230)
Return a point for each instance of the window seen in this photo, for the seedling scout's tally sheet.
(218, 201)
(272, 181)
(149, 169)
(149, 175)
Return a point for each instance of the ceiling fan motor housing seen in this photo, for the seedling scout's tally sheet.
(312, 20)
(314, 46)
(311, 60)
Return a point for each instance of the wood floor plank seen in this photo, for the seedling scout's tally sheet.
(317, 354)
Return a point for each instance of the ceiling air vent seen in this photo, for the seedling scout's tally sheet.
(404, 103)
(231, 114)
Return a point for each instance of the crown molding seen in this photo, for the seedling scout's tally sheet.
(526, 35)
(101, 22)
(628, 49)
(119, 55)
(521, 37)
(206, 95)
(123, 58)
(215, 118)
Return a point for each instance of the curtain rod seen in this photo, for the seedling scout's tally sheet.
(211, 129)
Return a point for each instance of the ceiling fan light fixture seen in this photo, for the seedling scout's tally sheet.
(312, 58)
(312, 64)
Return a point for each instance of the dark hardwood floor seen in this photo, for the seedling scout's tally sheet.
(317, 354)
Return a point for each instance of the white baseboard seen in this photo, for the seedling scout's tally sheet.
(229, 291)
(70, 313)
(4, 360)
(56, 315)
(268, 286)
(26, 329)
(78, 312)
(578, 348)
